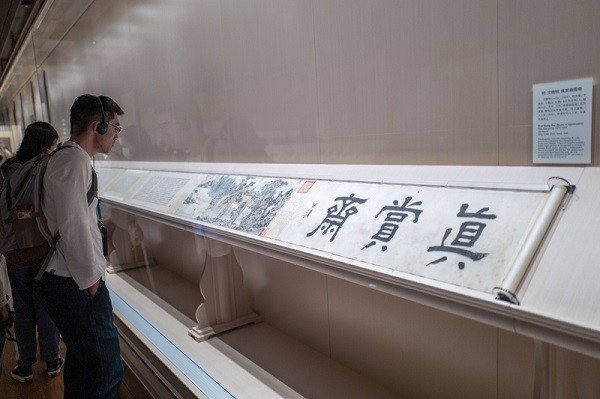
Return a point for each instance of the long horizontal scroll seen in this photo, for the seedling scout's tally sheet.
(461, 236)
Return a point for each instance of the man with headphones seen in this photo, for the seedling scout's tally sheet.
(72, 287)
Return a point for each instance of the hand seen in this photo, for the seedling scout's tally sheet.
(4, 313)
(94, 288)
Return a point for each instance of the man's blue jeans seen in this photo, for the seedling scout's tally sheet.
(2, 341)
(93, 366)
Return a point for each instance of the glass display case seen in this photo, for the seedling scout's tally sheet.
(279, 270)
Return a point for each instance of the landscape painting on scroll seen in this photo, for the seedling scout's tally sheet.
(243, 203)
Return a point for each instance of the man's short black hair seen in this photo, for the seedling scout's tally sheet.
(87, 109)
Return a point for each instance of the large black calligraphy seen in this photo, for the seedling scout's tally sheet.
(468, 234)
(337, 215)
(394, 216)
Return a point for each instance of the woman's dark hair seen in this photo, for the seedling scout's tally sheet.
(38, 137)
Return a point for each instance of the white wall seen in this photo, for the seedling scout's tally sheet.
(332, 81)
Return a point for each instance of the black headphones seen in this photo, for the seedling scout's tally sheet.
(102, 127)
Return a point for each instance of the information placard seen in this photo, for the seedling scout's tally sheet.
(562, 122)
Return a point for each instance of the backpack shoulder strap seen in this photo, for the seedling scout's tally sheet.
(53, 239)
(42, 222)
(93, 190)
(39, 189)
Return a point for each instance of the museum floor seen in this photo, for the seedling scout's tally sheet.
(41, 387)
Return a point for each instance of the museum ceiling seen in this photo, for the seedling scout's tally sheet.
(15, 18)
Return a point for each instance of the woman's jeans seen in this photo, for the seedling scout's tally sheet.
(30, 313)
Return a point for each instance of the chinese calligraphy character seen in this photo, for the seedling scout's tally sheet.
(467, 236)
(337, 216)
(395, 215)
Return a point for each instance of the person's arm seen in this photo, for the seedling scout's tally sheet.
(67, 181)
(5, 152)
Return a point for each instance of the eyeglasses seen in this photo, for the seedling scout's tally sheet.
(117, 128)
